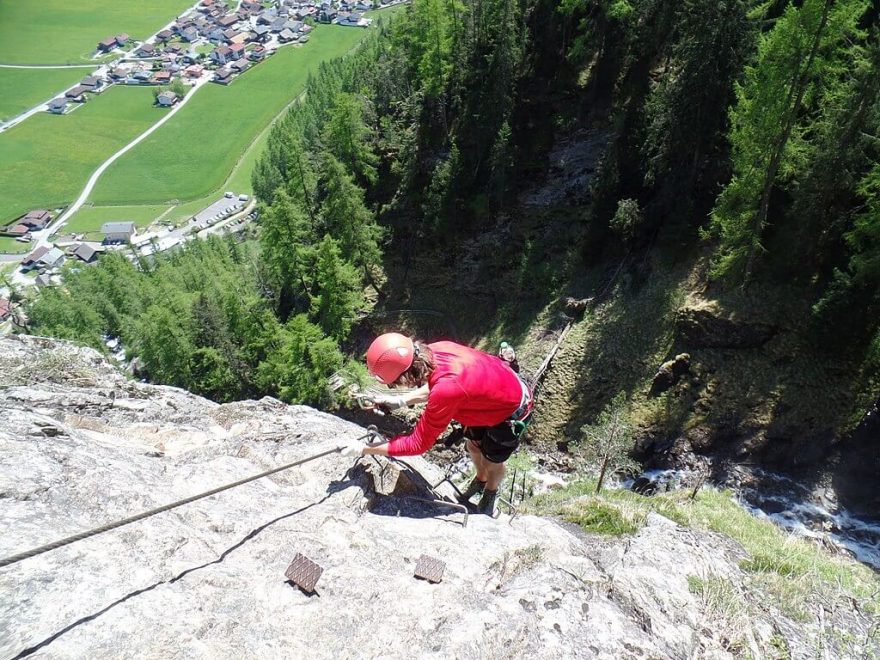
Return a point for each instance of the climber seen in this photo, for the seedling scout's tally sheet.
(508, 354)
(477, 389)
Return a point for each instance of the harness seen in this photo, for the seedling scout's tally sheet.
(520, 419)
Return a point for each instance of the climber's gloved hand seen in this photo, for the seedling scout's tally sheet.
(352, 448)
(389, 401)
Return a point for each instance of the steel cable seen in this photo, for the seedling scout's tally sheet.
(152, 512)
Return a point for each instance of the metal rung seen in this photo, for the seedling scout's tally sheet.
(430, 569)
(304, 573)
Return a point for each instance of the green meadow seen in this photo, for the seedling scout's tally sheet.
(194, 154)
(90, 218)
(22, 89)
(47, 159)
(66, 32)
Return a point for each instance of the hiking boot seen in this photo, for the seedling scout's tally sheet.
(476, 486)
(487, 502)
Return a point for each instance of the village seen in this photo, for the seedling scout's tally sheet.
(210, 43)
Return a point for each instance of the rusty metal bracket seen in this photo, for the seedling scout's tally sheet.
(430, 569)
(304, 573)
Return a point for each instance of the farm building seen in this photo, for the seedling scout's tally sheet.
(118, 232)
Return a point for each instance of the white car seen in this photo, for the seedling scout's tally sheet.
(228, 194)
(243, 198)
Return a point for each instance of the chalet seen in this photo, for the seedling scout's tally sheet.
(30, 261)
(190, 34)
(118, 232)
(119, 73)
(5, 309)
(122, 39)
(240, 66)
(277, 25)
(227, 21)
(175, 49)
(267, 17)
(221, 55)
(363, 6)
(240, 38)
(166, 99)
(294, 26)
(230, 34)
(252, 7)
(106, 45)
(43, 280)
(146, 50)
(183, 24)
(353, 19)
(327, 15)
(261, 33)
(86, 253)
(237, 50)
(161, 78)
(257, 54)
(194, 71)
(206, 4)
(286, 36)
(142, 76)
(77, 93)
(223, 76)
(306, 28)
(57, 106)
(17, 230)
(216, 36)
(164, 35)
(36, 219)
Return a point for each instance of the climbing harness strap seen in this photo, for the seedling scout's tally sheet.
(520, 419)
(167, 507)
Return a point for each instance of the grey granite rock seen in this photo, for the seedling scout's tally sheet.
(80, 445)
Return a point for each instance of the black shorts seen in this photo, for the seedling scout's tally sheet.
(496, 443)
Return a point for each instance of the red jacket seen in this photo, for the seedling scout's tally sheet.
(472, 387)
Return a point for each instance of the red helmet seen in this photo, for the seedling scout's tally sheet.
(389, 356)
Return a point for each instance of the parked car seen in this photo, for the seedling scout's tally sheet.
(228, 194)
(243, 198)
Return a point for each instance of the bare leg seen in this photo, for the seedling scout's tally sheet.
(494, 474)
(480, 463)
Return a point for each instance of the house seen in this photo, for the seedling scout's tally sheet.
(194, 71)
(278, 24)
(294, 26)
(353, 19)
(106, 45)
(164, 35)
(175, 49)
(287, 36)
(36, 219)
(30, 261)
(57, 106)
(85, 252)
(142, 76)
(118, 232)
(94, 83)
(237, 50)
(240, 66)
(327, 15)
(5, 309)
(216, 36)
(227, 21)
(43, 280)
(230, 34)
(122, 39)
(167, 99)
(223, 76)
(240, 38)
(267, 17)
(17, 230)
(190, 34)
(257, 54)
(161, 78)
(146, 50)
(221, 55)
(261, 33)
(77, 93)
(119, 73)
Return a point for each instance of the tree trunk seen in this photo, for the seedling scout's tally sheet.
(605, 462)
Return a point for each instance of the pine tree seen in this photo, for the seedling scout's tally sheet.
(339, 291)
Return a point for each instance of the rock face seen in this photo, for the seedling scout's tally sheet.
(80, 445)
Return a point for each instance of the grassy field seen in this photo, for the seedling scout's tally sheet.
(12, 246)
(64, 32)
(217, 126)
(22, 89)
(47, 159)
(90, 218)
